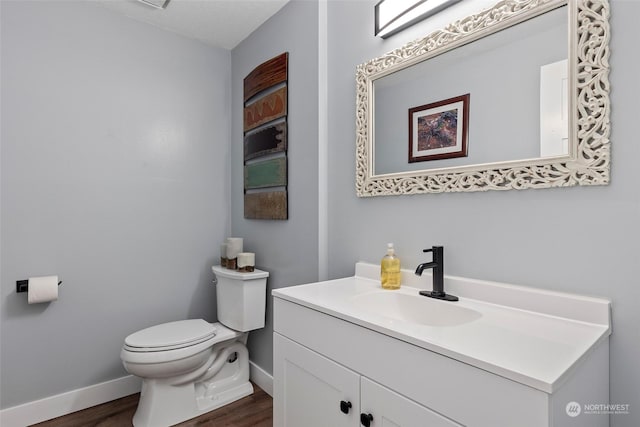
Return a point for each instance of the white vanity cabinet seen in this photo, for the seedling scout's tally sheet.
(311, 388)
(510, 367)
(314, 391)
(392, 409)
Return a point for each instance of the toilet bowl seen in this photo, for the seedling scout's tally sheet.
(190, 367)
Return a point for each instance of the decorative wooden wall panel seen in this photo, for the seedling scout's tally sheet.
(266, 173)
(265, 109)
(266, 75)
(265, 140)
(268, 140)
(266, 205)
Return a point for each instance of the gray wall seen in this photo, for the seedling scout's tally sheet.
(115, 140)
(132, 227)
(287, 249)
(583, 240)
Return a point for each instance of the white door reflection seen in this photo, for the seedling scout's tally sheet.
(554, 109)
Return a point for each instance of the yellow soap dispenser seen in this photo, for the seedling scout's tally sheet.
(390, 269)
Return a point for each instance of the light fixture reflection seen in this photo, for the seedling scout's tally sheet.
(158, 4)
(392, 16)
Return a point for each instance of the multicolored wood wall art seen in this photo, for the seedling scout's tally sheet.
(265, 140)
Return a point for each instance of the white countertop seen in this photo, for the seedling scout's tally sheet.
(528, 335)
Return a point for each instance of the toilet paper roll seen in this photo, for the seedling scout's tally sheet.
(42, 289)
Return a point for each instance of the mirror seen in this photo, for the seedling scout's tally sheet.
(539, 121)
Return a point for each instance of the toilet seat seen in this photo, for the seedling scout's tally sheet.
(160, 354)
(170, 336)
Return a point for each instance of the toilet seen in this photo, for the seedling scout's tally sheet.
(190, 367)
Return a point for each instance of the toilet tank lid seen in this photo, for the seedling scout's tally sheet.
(232, 274)
(171, 334)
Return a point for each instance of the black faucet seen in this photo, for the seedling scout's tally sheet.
(438, 275)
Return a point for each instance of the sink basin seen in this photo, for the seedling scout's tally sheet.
(415, 308)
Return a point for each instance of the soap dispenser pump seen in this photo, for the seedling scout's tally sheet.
(390, 269)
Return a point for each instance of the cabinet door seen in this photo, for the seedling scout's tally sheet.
(389, 409)
(308, 388)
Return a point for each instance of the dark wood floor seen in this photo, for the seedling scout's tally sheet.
(252, 411)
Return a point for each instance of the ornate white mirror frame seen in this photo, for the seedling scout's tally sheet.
(588, 160)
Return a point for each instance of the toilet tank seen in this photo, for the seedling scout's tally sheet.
(241, 298)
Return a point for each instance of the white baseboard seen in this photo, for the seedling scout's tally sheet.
(66, 403)
(261, 378)
(83, 398)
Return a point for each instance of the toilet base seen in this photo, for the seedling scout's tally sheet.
(165, 403)
(225, 397)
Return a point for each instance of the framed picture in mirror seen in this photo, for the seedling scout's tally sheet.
(439, 130)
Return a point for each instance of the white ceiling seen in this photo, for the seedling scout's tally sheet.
(220, 23)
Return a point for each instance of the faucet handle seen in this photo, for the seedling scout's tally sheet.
(434, 249)
(438, 253)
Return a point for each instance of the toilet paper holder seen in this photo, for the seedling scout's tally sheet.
(23, 285)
